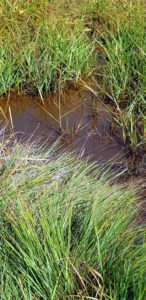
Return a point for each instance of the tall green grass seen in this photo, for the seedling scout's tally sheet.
(124, 80)
(45, 45)
(66, 233)
(123, 50)
(48, 61)
(42, 49)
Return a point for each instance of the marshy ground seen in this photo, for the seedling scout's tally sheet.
(72, 149)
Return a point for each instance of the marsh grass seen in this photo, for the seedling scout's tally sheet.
(123, 50)
(48, 61)
(124, 80)
(46, 45)
(41, 48)
(66, 233)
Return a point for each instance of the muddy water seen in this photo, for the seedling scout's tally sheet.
(76, 117)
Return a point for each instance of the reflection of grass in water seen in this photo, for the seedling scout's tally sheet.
(66, 233)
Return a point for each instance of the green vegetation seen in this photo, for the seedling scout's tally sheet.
(65, 232)
(41, 49)
(124, 77)
(45, 45)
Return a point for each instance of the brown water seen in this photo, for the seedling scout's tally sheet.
(76, 117)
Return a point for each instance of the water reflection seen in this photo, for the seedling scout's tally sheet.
(76, 116)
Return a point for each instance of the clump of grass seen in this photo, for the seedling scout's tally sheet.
(9, 71)
(56, 59)
(48, 61)
(43, 48)
(123, 53)
(65, 231)
(124, 80)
